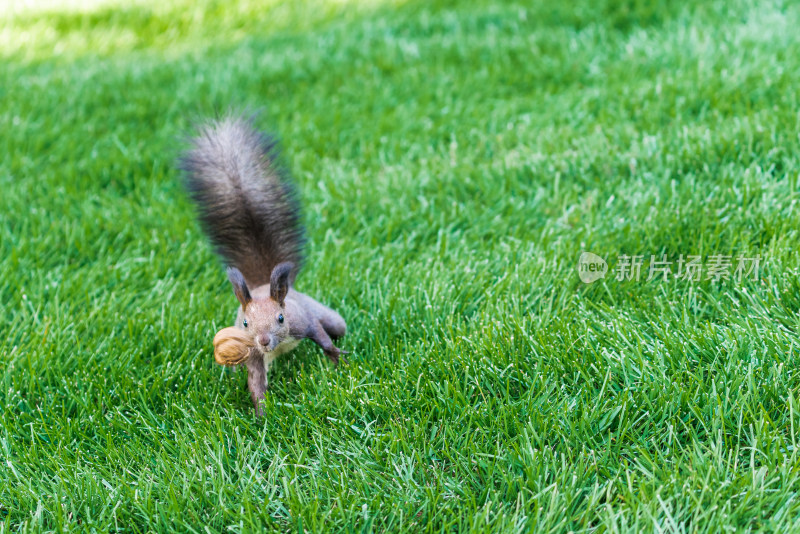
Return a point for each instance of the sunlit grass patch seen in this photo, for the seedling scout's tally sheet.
(43, 29)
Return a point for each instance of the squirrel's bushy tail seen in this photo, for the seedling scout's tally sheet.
(246, 202)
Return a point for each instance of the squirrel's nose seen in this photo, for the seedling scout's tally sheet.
(264, 339)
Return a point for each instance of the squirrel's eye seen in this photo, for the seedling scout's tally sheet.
(245, 323)
(280, 318)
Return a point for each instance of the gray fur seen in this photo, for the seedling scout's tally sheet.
(245, 199)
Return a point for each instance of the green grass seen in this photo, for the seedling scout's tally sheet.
(454, 159)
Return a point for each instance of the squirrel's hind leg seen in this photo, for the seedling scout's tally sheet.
(331, 321)
(333, 324)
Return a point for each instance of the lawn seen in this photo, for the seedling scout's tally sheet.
(454, 160)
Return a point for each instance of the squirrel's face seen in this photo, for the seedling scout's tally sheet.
(264, 317)
(264, 320)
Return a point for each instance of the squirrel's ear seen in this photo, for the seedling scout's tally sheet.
(239, 286)
(279, 281)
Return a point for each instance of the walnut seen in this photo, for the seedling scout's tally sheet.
(232, 346)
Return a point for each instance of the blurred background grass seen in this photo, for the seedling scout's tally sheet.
(454, 159)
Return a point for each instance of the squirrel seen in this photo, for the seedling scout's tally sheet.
(249, 209)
